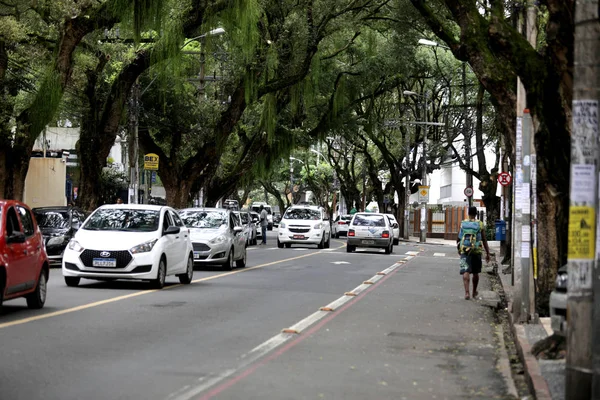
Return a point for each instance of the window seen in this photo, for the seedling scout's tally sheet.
(176, 219)
(369, 220)
(168, 222)
(112, 219)
(26, 220)
(12, 222)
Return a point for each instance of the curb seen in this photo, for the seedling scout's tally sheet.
(533, 376)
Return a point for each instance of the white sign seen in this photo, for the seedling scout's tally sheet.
(583, 183)
(526, 198)
(468, 191)
(585, 131)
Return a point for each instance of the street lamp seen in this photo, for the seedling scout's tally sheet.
(466, 132)
(423, 237)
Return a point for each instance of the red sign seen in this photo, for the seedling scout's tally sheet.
(468, 191)
(504, 178)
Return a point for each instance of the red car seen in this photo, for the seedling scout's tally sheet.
(23, 260)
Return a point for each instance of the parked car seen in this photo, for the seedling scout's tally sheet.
(130, 241)
(24, 265)
(340, 225)
(256, 219)
(304, 225)
(558, 303)
(395, 227)
(58, 225)
(371, 230)
(249, 227)
(217, 236)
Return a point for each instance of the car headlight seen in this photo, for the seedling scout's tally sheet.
(56, 240)
(318, 226)
(217, 240)
(282, 224)
(75, 246)
(562, 281)
(144, 247)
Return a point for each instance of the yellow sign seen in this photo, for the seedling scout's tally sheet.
(151, 162)
(582, 228)
(423, 194)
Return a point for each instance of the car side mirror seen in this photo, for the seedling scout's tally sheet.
(16, 237)
(395, 225)
(76, 225)
(237, 229)
(172, 230)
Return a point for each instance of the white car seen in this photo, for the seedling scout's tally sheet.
(130, 241)
(340, 225)
(370, 230)
(217, 236)
(395, 227)
(304, 225)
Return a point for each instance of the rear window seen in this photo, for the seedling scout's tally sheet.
(346, 217)
(368, 220)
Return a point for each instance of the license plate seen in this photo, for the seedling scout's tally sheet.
(104, 262)
(368, 242)
(298, 236)
(196, 255)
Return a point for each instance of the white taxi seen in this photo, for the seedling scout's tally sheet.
(303, 224)
(372, 230)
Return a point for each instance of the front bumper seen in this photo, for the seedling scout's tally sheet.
(207, 253)
(310, 236)
(142, 266)
(368, 242)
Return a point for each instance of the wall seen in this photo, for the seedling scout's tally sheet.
(46, 182)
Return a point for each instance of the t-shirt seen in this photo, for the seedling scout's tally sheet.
(263, 218)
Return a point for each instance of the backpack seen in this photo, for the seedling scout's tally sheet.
(470, 241)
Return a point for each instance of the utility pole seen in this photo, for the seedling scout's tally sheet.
(525, 208)
(583, 301)
(467, 132)
(407, 188)
(423, 237)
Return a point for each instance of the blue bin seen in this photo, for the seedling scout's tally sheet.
(500, 230)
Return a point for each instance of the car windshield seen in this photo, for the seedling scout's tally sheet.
(369, 220)
(123, 219)
(346, 217)
(52, 218)
(302, 213)
(203, 218)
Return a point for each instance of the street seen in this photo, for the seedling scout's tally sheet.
(407, 333)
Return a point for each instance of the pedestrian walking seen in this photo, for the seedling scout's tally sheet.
(469, 243)
(264, 222)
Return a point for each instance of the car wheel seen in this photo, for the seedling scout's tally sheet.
(321, 243)
(72, 281)
(186, 278)
(161, 275)
(288, 245)
(388, 249)
(241, 263)
(328, 242)
(349, 248)
(38, 297)
(396, 241)
(279, 244)
(228, 265)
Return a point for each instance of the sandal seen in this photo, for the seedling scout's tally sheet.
(475, 295)
(467, 297)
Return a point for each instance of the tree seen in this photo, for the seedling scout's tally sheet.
(484, 34)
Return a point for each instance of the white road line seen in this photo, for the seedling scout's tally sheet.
(204, 383)
(439, 254)
(412, 253)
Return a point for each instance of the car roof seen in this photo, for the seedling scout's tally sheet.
(9, 202)
(370, 213)
(207, 209)
(53, 208)
(305, 206)
(133, 207)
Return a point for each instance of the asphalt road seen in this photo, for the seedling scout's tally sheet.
(406, 334)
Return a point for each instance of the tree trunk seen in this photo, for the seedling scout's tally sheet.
(93, 152)
(178, 192)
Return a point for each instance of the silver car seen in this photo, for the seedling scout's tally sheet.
(370, 230)
(217, 236)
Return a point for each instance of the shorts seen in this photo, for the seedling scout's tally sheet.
(470, 263)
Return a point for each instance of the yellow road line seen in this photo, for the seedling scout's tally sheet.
(128, 296)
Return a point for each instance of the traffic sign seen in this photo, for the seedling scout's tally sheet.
(504, 178)
(423, 194)
(151, 161)
(468, 191)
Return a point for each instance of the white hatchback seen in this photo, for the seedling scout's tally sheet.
(395, 227)
(130, 241)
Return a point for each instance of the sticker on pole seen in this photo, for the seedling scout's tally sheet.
(468, 191)
(504, 178)
(582, 227)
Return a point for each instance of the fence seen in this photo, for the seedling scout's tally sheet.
(442, 222)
